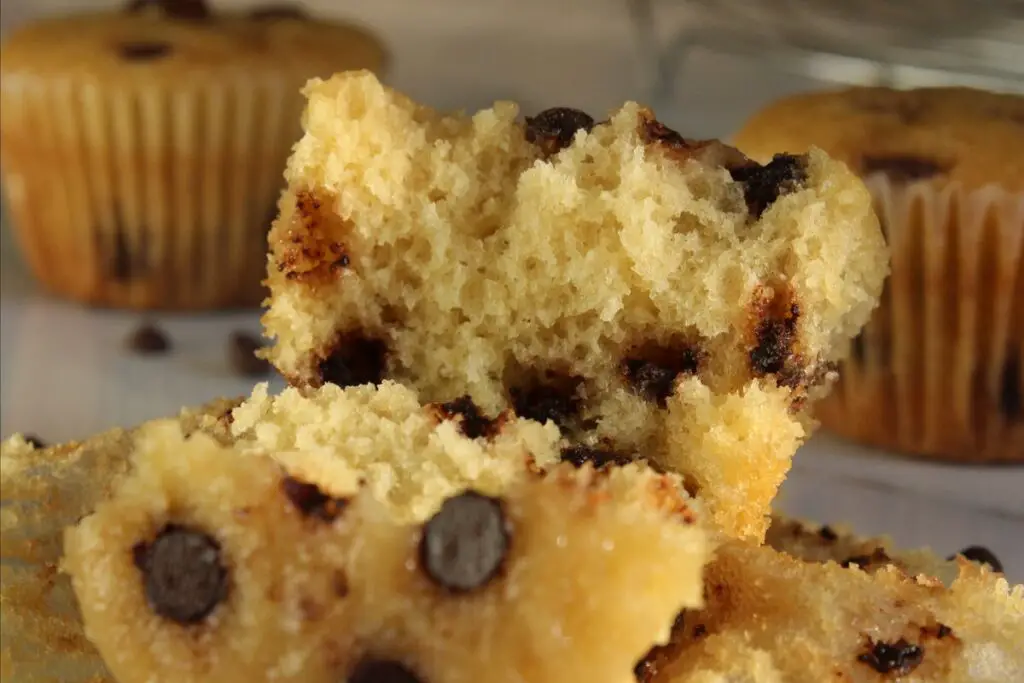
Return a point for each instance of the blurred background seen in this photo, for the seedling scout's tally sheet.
(705, 66)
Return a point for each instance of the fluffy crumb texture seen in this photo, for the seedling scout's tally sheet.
(41, 492)
(649, 294)
(567, 575)
(409, 456)
(771, 618)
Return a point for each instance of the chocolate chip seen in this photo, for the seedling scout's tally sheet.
(356, 360)
(553, 129)
(774, 341)
(827, 534)
(465, 543)
(473, 423)
(311, 501)
(554, 398)
(762, 185)
(143, 51)
(242, 348)
(981, 555)
(273, 12)
(175, 9)
(183, 575)
(148, 339)
(382, 671)
(599, 457)
(34, 441)
(653, 373)
(900, 657)
(901, 167)
(647, 668)
(1011, 396)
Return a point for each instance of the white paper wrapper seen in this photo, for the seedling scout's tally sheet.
(939, 370)
(148, 196)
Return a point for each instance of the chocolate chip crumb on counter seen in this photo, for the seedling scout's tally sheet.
(936, 372)
(148, 340)
(643, 291)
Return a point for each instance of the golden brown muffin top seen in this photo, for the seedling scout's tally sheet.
(936, 134)
(150, 39)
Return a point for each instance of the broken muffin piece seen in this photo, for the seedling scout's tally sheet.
(233, 580)
(651, 294)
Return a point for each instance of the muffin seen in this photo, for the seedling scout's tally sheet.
(142, 150)
(939, 370)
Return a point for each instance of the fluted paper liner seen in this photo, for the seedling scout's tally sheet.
(939, 370)
(149, 195)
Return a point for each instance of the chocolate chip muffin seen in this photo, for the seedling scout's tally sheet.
(259, 575)
(655, 297)
(939, 370)
(142, 149)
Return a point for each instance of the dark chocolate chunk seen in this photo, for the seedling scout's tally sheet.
(473, 423)
(827, 534)
(143, 51)
(382, 671)
(653, 373)
(148, 339)
(900, 657)
(981, 555)
(553, 129)
(901, 167)
(242, 348)
(273, 12)
(774, 337)
(175, 9)
(599, 457)
(464, 544)
(1011, 397)
(555, 400)
(356, 360)
(311, 501)
(34, 441)
(762, 185)
(183, 576)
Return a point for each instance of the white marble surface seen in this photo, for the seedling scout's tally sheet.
(64, 373)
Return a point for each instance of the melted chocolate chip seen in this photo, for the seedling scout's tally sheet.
(775, 336)
(175, 9)
(464, 544)
(148, 339)
(473, 423)
(274, 12)
(981, 555)
(183, 576)
(34, 441)
(242, 348)
(654, 131)
(556, 401)
(138, 51)
(553, 129)
(356, 360)
(382, 671)
(311, 501)
(900, 657)
(901, 168)
(826, 533)
(599, 457)
(653, 374)
(762, 185)
(1011, 398)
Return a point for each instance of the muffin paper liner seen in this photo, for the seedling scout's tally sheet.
(938, 372)
(146, 194)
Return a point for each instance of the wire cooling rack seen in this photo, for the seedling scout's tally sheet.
(901, 43)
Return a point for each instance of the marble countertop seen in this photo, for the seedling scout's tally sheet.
(64, 372)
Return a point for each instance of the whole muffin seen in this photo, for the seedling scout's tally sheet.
(939, 370)
(142, 150)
